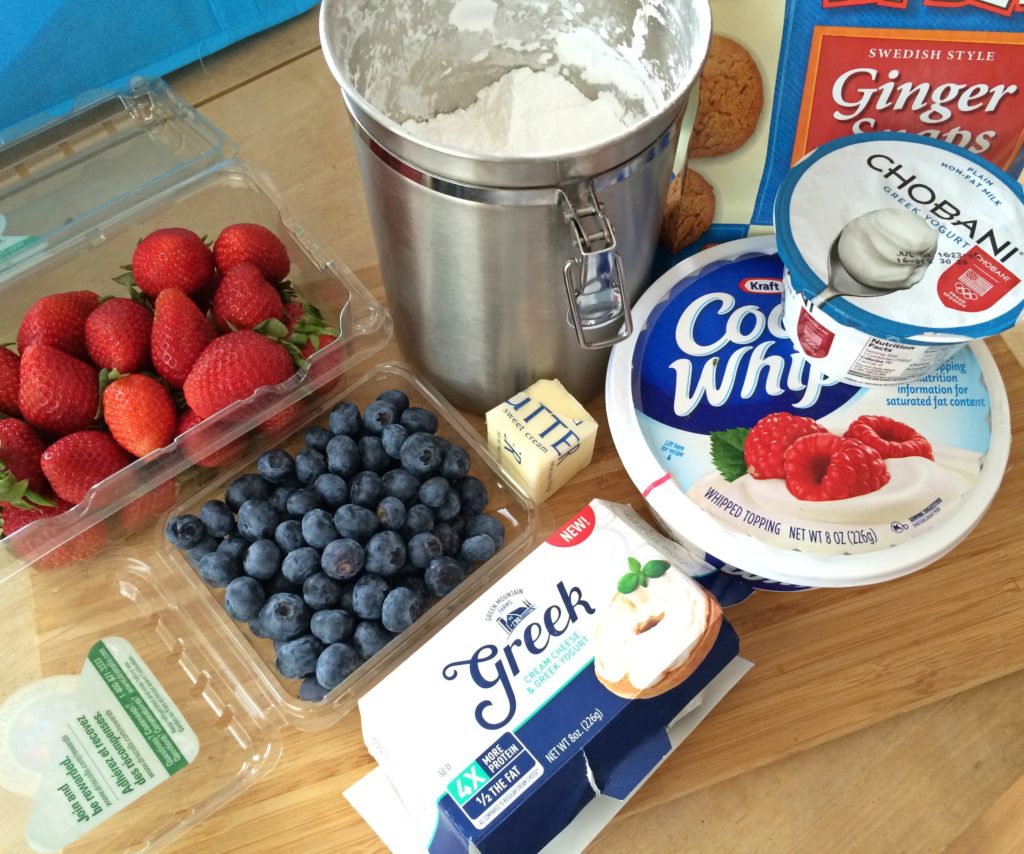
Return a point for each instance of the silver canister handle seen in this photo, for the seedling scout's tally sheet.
(594, 280)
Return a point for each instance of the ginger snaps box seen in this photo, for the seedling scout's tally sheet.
(554, 691)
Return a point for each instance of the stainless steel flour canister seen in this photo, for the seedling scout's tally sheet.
(501, 268)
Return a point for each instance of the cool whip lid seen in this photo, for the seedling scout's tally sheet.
(747, 453)
(904, 237)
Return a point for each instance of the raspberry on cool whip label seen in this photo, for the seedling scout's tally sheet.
(746, 452)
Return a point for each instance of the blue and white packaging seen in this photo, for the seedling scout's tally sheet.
(544, 704)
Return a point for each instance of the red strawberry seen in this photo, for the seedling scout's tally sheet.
(293, 313)
(826, 467)
(16, 518)
(891, 438)
(244, 299)
(142, 512)
(186, 421)
(59, 394)
(246, 241)
(84, 546)
(180, 334)
(117, 335)
(20, 450)
(172, 258)
(140, 413)
(232, 368)
(76, 462)
(10, 366)
(768, 440)
(58, 320)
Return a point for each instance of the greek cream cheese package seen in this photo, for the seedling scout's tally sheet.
(558, 686)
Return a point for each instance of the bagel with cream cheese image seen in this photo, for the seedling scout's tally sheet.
(650, 639)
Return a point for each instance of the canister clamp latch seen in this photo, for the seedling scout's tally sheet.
(594, 280)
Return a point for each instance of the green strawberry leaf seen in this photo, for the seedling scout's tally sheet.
(634, 565)
(17, 493)
(127, 280)
(272, 328)
(628, 583)
(727, 452)
(655, 568)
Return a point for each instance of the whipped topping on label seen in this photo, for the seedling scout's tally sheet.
(887, 249)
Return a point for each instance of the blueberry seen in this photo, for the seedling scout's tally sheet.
(279, 499)
(298, 565)
(355, 522)
(311, 690)
(301, 501)
(450, 540)
(318, 528)
(391, 512)
(332, 489)
(234, 548)
(284, 616)
(246, 487)
(434, 491)
(297, 658)
(415, 419)
(368, 596)
(342, 559)
(343, 456)
(218, 518)
(317, 438)
(256, 627)
(456, 463)
(417, 586)
(243, 599)
(477, 548)
(276, 465)
(473, 495)
(207, 545)
(385, 553)
(218, 570)
(288, 535)
(443, 575)
(451, 507)
(418, 519)
(421, 454)
(335, 663)
(321, 591)
(262, 560)
(370, 637)
(345, 419)
(377, 416)
(309, 465)
(185, 532)
(332, 626)
(486, 524)
(257, 519)
(402, 607)
(400, 484)
(398, 399)
(423, 548)
(372, 456)
(346, 598)
(392, 438)
(366, 489)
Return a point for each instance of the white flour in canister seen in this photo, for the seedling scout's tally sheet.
(528, 112)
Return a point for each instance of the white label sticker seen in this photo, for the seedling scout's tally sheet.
(102, 741)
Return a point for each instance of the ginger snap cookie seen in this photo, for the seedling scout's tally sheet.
(689, 209)
(731, 100)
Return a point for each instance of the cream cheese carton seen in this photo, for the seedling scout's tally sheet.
(555, 687)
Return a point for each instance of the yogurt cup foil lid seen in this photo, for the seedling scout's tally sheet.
(904, 237)
(747, 453)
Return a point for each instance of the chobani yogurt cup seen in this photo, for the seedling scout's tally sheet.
(899, 249)
(767, 468)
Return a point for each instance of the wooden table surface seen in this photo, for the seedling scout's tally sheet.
(887, 718)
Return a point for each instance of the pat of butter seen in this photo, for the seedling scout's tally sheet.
(542, 437)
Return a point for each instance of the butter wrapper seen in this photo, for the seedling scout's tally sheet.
(556, 688)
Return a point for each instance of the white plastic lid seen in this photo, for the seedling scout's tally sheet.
(710, 360)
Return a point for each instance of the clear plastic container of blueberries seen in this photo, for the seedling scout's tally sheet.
(121, 672)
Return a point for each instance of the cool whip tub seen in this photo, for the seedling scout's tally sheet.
(555, 689)
(769, 469)
(899, 249)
